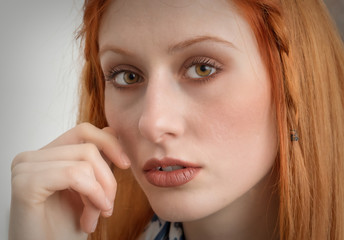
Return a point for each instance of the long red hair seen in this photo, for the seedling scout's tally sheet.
(304, 56)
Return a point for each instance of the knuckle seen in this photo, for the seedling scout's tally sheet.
(76, 173)
(87, 169)
(84, 126)
(83, 129)
(17, 169)
(82, 178)
(95, 188)
(90, 150)
(20, 158)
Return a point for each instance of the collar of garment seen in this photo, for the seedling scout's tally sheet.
(159, 229)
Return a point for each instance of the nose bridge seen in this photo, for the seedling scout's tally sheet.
(160, 117)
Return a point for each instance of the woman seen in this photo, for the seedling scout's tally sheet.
(229, 114)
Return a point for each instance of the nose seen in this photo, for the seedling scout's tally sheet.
(162, 112)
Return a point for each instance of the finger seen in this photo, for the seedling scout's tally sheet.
(78, 176)
(31, 168)
(89, 217)
(105, 142)
(90, 212)
(43, 159)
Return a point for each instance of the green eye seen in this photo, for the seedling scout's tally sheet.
(127, 78)
(200, 71)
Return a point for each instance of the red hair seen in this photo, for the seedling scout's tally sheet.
(304, 57)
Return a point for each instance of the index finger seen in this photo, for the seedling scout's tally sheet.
(105, 141)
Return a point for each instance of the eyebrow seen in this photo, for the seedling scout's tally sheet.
(173, 48)
(114, 49)
(181, 45)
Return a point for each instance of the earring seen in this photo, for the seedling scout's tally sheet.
(293, 136)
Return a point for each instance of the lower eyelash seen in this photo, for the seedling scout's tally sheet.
(111, 74)
(208, 62)
(207, 79)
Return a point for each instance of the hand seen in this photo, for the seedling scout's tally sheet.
(60, 190)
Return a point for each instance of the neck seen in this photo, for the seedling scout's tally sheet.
(252, 216)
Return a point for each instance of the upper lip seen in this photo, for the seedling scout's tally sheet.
(166, 162)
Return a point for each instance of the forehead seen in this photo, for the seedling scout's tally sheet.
(166, 8)
(158, 21)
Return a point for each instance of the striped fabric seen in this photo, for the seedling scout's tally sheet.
(158, 229)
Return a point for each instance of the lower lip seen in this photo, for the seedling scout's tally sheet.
(171, 179)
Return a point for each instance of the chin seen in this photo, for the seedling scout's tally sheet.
(181, 207)
(175, 214)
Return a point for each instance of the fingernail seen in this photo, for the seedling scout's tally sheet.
(109, 206)
(109, 213)
(95, 225)
(125, 159)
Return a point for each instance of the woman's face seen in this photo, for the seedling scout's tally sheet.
(187, 91)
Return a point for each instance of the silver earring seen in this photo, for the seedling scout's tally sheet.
(293, 136)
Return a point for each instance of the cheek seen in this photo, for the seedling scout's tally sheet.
(239, 142)
(111, 109)
(120, 118)
(239, 126)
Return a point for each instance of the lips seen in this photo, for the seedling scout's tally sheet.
(169, 172)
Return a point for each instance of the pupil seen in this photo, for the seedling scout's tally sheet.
(203, 68)
(132, 76)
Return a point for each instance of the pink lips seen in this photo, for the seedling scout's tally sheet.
(169, 172)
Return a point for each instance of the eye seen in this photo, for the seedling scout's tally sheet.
(127, 78)
(200, 71)
(122, 78)
(202, 68)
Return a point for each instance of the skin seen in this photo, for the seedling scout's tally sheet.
(59, 191)
(223, 123)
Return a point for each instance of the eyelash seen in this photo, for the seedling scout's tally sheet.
(204, 61)
(110, 77)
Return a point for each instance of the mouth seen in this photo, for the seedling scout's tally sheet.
(169, 168)
(169, 172)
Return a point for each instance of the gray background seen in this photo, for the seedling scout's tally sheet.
(336, 8)
(39, 68)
